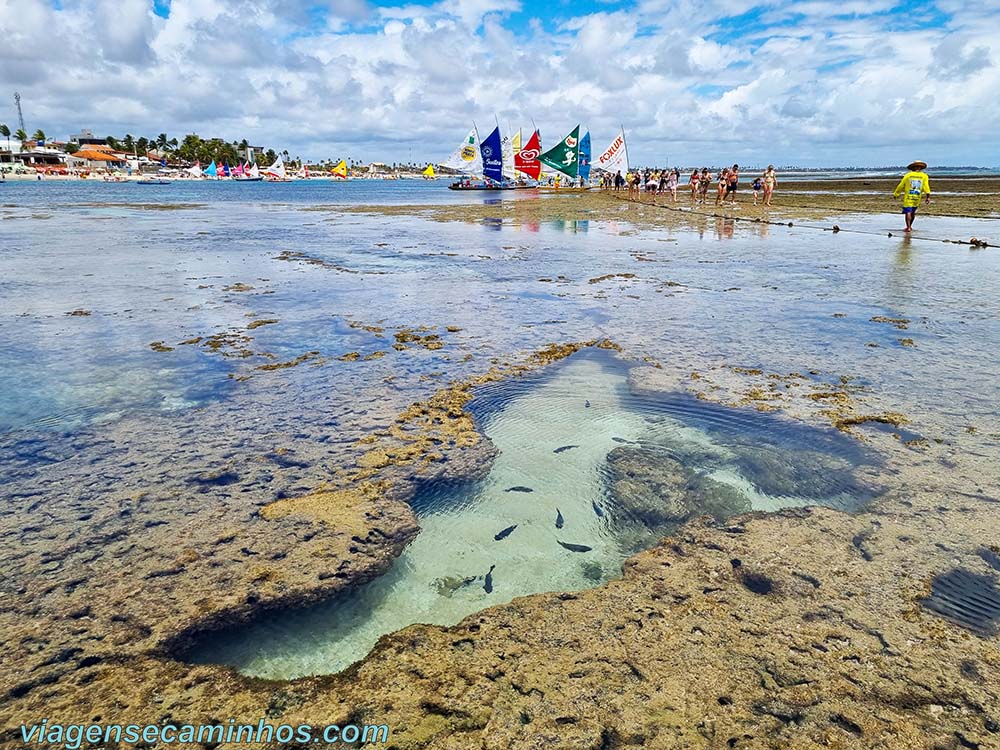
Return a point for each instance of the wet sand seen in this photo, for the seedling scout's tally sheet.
(830, 205)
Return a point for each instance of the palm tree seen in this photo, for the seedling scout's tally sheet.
(162, 142)
(129, 142)
(5, 132)
(22, 137)
(39, 136)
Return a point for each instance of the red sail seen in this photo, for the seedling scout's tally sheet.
(526, 160)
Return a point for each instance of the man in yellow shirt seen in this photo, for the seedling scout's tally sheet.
(914, 186)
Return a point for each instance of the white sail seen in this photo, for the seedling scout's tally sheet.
(466, 158)
(195, 171)
(277, 169)
(615, 157)
(507, 147)
(254, 171)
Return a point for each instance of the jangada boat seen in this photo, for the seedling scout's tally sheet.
(480, 185)
(499, 160)
(249, 173)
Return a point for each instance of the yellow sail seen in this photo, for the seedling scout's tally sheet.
(429, 172)
(341, 169)
(516, 141)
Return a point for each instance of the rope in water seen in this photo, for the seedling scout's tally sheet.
(974, 242)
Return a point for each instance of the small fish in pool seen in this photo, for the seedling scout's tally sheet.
(586, 404)
(597, 509)
(504, 533)
(488, 585)
(564, 448)
(575, 547)
(519, 488)
(622, 440)
(559, 519)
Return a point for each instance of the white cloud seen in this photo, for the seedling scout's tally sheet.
(806, 82)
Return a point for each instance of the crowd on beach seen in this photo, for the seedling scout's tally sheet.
(699, 183)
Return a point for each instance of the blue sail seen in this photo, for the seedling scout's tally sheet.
(212, 170)
(585, 157)
(492, 150)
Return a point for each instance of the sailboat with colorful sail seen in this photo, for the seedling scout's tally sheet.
(247, 173)
(564, 157)
(615, 157)
(526, 157)
(487, 161)
(340, 170)
(466, 158)
(429, 174)
(584, 169)
(276, 172)
(212, 171)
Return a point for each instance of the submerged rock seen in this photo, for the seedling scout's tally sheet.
(784, 471)
(654, 488)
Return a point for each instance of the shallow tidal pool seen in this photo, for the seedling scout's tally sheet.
(588, 473)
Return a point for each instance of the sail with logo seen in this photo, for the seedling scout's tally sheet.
(526, 158)
(492, 151)
(585, 157)
(564, 157)
(466, 158)
(615, 157)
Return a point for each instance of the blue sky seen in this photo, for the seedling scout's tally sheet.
(814, 82)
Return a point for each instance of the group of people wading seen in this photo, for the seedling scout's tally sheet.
(667, 182)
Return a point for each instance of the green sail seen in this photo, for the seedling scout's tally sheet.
(564, 156)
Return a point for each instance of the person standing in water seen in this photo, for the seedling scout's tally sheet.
(672, 179)
(770, 182)
(914, 186)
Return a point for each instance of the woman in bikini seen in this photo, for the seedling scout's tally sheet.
(770, 181)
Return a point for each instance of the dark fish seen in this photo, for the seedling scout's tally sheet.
(597, 509)
(505, 533)
(586, 404)
(488, 586)
(575, 547)
(559, 519)
(565, 448)
(621, 440)
(519, 488)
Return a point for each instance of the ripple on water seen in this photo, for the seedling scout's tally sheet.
(587, 473)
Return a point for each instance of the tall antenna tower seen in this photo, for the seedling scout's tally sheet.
(20, 115)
